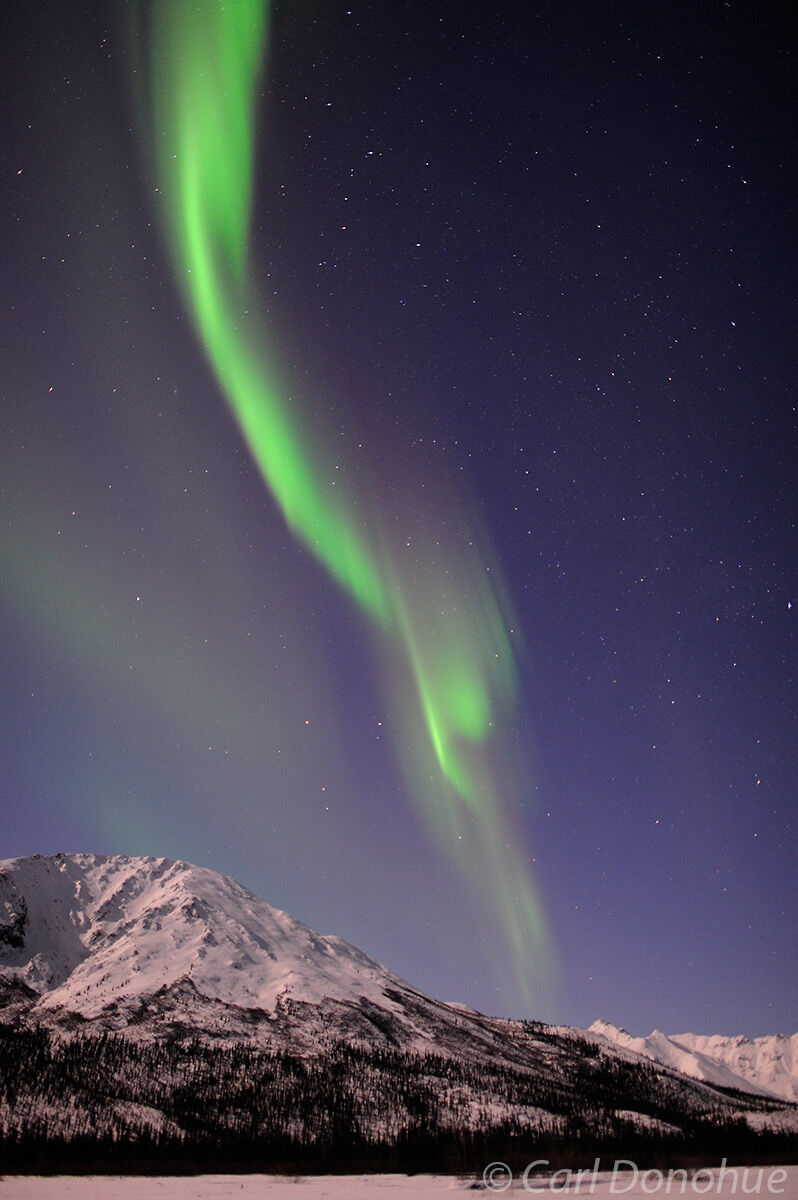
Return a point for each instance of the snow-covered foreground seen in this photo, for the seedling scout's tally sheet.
(751, 1181)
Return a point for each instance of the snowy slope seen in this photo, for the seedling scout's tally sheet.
(87, 932)
(766, 1066)
(201, 979)
(159, 947)
(769, 1062)
(164, 950)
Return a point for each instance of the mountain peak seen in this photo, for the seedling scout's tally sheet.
(86, 931)
(766, 1066)
(158, 945)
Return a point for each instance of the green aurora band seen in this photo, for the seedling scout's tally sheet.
(440, 627)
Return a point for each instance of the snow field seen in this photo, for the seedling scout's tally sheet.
(738, 1182)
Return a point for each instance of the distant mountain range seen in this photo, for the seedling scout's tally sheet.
(767, 1066)
(123, 978)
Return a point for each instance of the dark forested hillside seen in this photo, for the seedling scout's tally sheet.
(104, 1102)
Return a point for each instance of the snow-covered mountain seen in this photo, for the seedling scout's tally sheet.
(159, 944)
(115, 938)
(768, 1062)
(90, 933)
(766, 1066)
(294, 1040)
(159, 948)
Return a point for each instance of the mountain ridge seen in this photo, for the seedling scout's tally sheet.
(160, 948)
(122, 979)
(766, 1066)
(137, 924)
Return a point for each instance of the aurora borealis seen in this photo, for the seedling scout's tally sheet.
(445, 618)
(206, 67)
(394, 483)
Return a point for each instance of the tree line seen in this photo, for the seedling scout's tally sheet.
(105, 1102)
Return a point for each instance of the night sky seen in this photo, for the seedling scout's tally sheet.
(522, 276)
